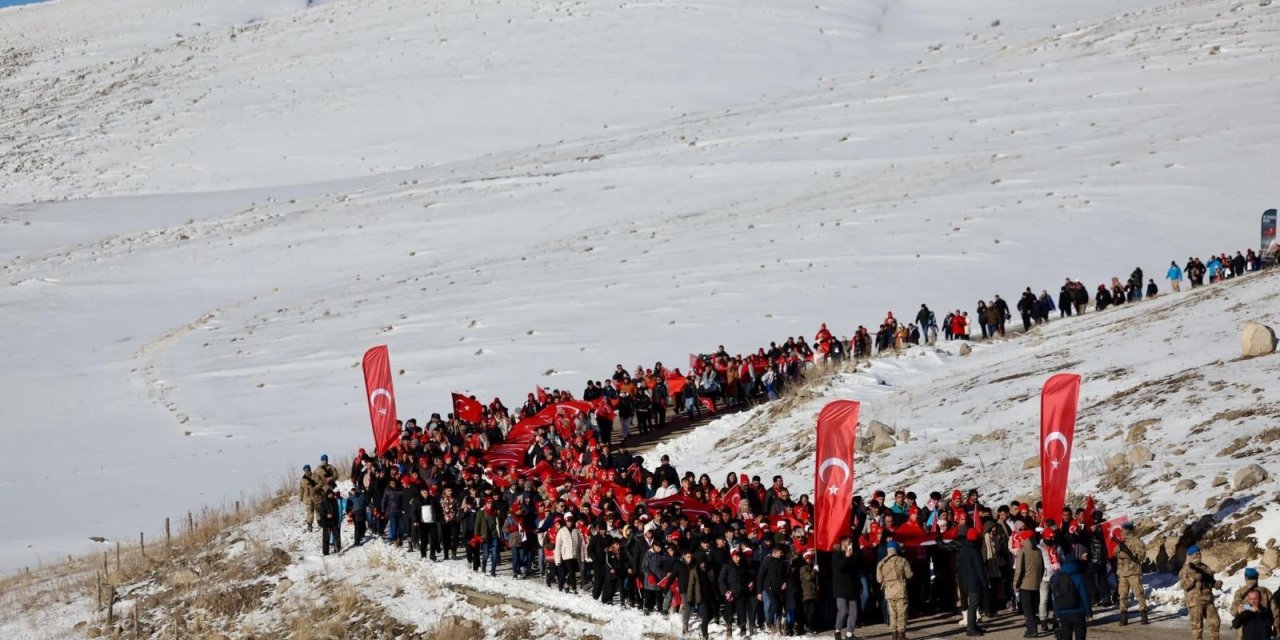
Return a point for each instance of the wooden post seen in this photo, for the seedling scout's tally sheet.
(136, 603)
(98, 575)
(111, 607)
(168, 538)
(191, 523)
(104, 564)
(142, 543)
(237, 509)
(118, 567)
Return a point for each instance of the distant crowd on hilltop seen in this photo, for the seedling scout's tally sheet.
(549, 490)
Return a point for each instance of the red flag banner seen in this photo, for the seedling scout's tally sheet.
(1059, 401)
(542, 394)
(466, 409)
(1113, 533)
(833, 489)
(382, 399)
(1089, 507)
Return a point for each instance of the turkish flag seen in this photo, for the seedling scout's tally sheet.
(542, 395)
(466, 409)
(1109, 530)
(833, 490)
(1058, 403)
(382, 399)
(1089, 507)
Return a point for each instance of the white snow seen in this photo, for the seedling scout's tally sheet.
(202, 233)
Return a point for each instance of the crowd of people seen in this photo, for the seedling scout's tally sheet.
(549, 493)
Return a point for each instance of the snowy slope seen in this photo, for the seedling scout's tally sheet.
(1164, 374)
(246, 215)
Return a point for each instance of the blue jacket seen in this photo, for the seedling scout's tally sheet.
(1174, 273)
(1071, 571)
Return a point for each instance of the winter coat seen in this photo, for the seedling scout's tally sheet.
(1174, 273)
(1130, 553)
(486, 526)
(1197, 581)
(393, 501)
(1028, 568)
(309, 490)
(357, 505)
(735, 578)
(846, 576)
(568, 545)
(330, 515)
(1071, 571)
(892, 573)
(327, 475)
(701, 587)
(654, 568)
(973, 576)
(1268, 600)
(808, 582)
(772, 574)
(1254, 625)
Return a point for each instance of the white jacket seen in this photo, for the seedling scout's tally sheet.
(568, 545)
(665, 492)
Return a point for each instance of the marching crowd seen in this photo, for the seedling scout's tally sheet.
(548, 492)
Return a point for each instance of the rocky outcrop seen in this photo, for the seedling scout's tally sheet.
(1249, 477)
(1257, 339)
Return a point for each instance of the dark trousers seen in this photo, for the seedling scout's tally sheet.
(705, 612)
(360, 528)
(605, 427)
(1030, 603)
(449, 539)
(608, 586)
(972, 600)
(428, 539)
(569, 574)
(740, 611)
(328, 531)
(1072, 627)
(1095, 575)
(597, 584)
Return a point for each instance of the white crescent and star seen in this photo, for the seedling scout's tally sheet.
(1051, 437)
(373, 400)
(833, 488)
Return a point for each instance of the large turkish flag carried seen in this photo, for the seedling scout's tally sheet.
(382, 399)
(1058, 403)
(466, 409)
(833, 487)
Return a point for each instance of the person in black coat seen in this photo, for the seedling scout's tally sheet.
(425, 512)
(735, 581)
(846, 586)
(1254, 620)
(330, 523)
(973, 578)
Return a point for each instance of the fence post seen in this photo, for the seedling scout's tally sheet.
(142, 543)
(191, 523)
(168, 538)
(119, 568)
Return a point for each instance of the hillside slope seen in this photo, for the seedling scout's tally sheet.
(1169, 414)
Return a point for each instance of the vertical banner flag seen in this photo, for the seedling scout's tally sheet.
(833, 486)
(466, 409)
(1268, 231)
(1058, 403)
(382, 399)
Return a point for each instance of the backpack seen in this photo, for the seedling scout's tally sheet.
(1065, 596)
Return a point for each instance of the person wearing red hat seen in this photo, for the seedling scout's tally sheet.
(973, 578)
(1028, 573)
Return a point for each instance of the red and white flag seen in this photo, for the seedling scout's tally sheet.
(466, 409)
(833, 488)
(382, 399)
(542, 395)
(1059, 401)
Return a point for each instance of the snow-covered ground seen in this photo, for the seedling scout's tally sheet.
(212, 209)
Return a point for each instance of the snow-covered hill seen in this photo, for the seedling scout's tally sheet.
(511, 194)
(1170, 414)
